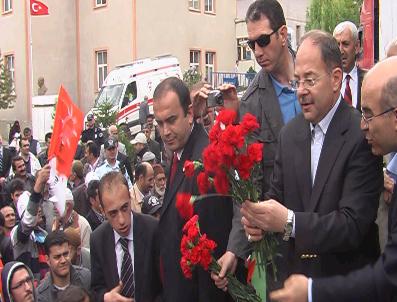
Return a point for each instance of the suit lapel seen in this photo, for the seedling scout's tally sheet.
(360, 75)
(139, 255)
(111, 254)
(333, 142)
(302, 161)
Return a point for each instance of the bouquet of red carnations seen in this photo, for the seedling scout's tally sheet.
(230, 164)
(197, 249)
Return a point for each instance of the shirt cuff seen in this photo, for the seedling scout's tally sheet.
(309, 290)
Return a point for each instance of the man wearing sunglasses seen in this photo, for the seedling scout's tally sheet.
(326, 182)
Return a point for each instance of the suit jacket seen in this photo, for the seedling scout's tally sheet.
(373, 283)
(104, 275)
(93, 220)
(261, 100)
(334, 220)
(216, 220)
(7, 156)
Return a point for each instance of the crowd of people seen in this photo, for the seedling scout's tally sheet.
(325, 124)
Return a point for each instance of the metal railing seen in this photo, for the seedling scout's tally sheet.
(240, 80)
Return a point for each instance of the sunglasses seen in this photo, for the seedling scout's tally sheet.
(262, 41)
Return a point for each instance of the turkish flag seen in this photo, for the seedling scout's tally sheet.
(68, 124)
(38, 8)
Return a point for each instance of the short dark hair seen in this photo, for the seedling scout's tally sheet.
(47, 136)
(14, 160)
(23, 139)
(16, 185)
(73, 293)
(93, 148)
(178, 87)
(271, 9)
(330, 52)
(54, 238)
(109, 181)
(26, 130)
(92, 188)
(389, 93)
(150, 115)
(140, 169)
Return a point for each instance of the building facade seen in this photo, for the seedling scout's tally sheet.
(80, 41)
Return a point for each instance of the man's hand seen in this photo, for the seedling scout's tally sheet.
(295, 290)
(228, 263)
(115, 296)
(199, 101)
(268, 215)
(230, 98)
(42, 177)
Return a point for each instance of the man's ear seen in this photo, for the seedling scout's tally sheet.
(47, 259)
(190, 114)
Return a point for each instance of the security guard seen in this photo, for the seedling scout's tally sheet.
(92, 133)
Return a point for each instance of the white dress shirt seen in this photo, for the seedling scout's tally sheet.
(353, 83)
(119, 248)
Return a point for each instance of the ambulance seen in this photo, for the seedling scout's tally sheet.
(126, 86)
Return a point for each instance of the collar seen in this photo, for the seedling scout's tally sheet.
(279, 88)
(117, 163)
(179, 153)
(139, 191)
(324, 123)
(130, 235)
(95, 163)
(353, 74)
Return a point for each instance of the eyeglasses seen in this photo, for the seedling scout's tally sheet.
(28, 279)
(368, 119)
(307, 83)
(262, 41)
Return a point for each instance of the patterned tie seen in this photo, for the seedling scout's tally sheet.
(1, 159)
(174, 166)
(127, 271)
(348, 93)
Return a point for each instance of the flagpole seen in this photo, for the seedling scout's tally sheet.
(30, 61)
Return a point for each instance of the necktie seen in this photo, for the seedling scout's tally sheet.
(127, 271)
(174, 166)
(348, 93)
(1, 159)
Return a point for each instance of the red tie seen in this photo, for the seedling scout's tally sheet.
(348, 92)
(174, 166)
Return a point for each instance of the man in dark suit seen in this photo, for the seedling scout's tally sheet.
(326, 183)
(377, 282)
(173, 113)
(346, 34)
(123, 265)
(5, 165)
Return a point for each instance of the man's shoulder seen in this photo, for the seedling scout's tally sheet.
(44, 284)
(261, 80)
(149, 221)
(81, 271)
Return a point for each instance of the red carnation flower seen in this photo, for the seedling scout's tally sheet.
(191, 222)
(184, 205)
(226, 116)
(203, 183)
(249, 123)
(250, 269)
(187, 271)
(255, 151)
(221, 183)
(188, 168)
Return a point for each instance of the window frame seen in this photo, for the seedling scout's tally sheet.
(243, 50)
(11, 69)
(209, 66)
(96, 5)
(100, 69)
(212, 2)
(10, 8)
(196, 64)
(192, 8)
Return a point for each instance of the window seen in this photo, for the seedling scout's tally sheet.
(7, 6)
(194, 4)
(209, 65)
(100, 3)
(243, 51)
(195, 59)
(9, 61)
(101, 67)
(209, 6)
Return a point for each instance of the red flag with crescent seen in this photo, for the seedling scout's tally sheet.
(68, 124)
(38, 8)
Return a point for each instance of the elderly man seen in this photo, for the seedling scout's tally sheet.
(114, 131)
(346, 34)
(144, 176)
(377, 282)
(326, 183)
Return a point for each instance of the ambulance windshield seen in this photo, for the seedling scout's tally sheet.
(110, 94)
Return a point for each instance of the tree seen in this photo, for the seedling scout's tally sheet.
(326, 14)
(7, 92)
(105, 115)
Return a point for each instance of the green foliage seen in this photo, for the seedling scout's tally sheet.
(7, 92)
(105, 115)
(191, 77)
(124, 138)
(326, 14)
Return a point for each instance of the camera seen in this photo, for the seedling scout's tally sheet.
(215, 98)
